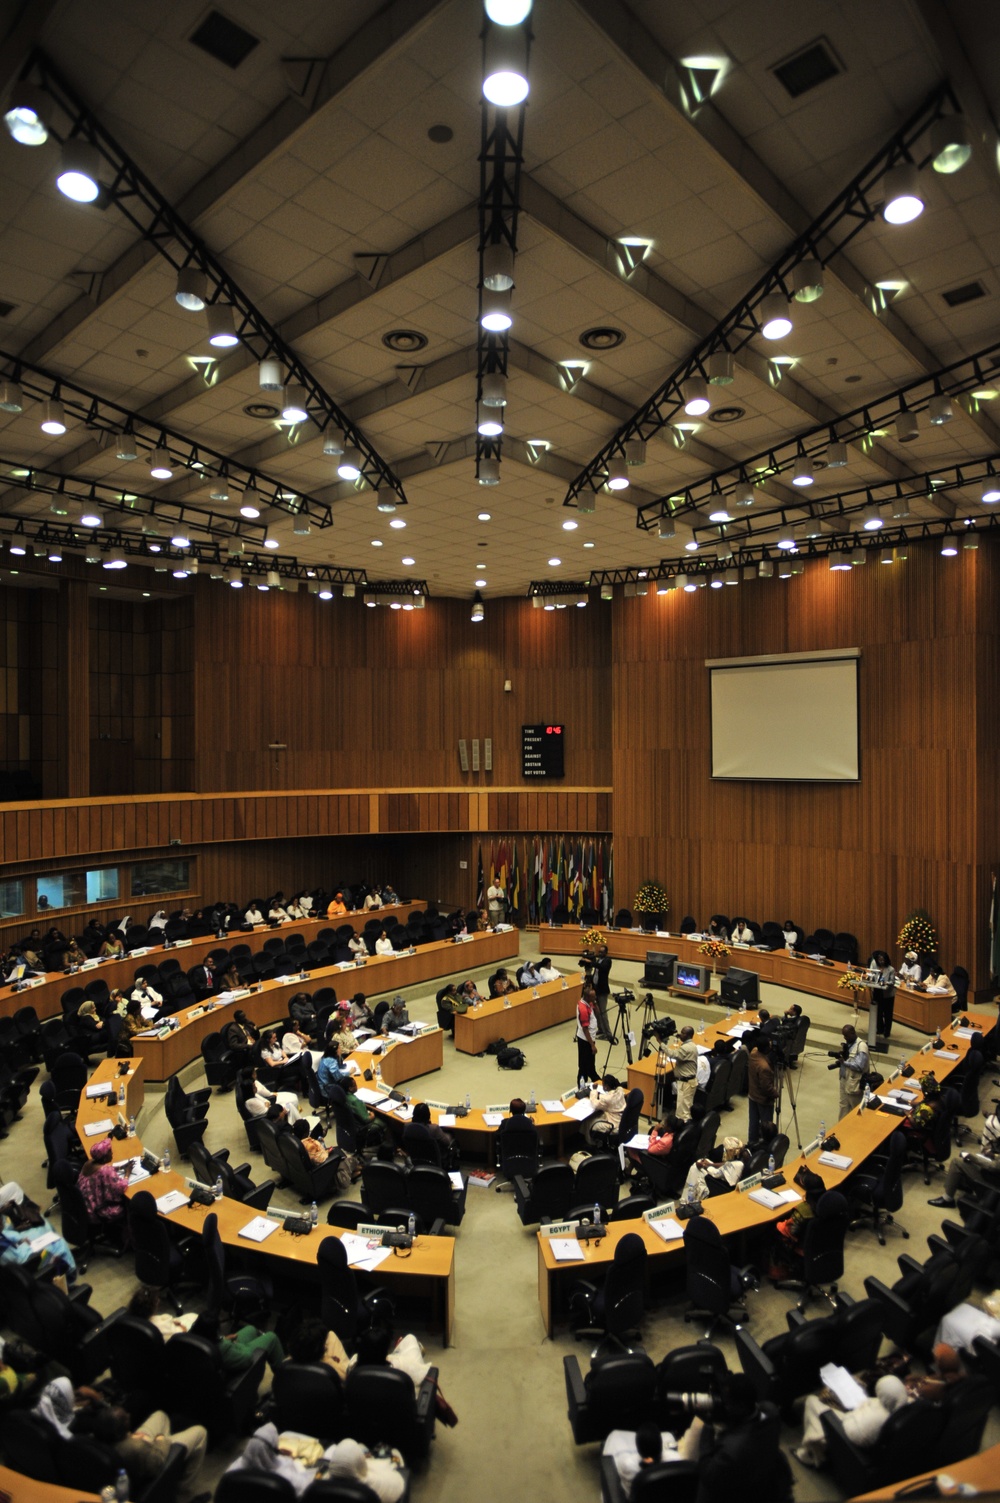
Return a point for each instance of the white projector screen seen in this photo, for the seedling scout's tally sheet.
(790, 721)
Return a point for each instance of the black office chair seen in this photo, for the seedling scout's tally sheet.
(342, 1307)
(618, 1393)
(822, 1250)
(311, 1181)
(906, 1444)
(879, 1196)
(714, 1286)
(967, 1407)
(309, 1397)
(349, 1214)
(623, 919)
(383, 1185)
(546, 1197)
(244, 1486)
(787, 1366)
(136, 1351)
(269, 1142)
(434, 1198)
(224, 1405)
(220, 1062)
(614, 1310)
(84, 1236)
(342, 1490)
(161, 1262)
(858, 1327)
(631, 1207)
(518, 1150)
(596, 1182)
(629, 1123)
(238, 1293)
(383, 1408)
(185, 1113)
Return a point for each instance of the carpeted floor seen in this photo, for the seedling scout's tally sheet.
(502, 1376)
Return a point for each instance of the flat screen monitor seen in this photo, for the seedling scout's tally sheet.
(691, 978)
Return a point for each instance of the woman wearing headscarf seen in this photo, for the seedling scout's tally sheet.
(706, 1177)
(56, 1406)
(158, 921)
(102, 1187)
(348, 1458)
(89, 1032)
(862, 1425)
(21, 1226)
(945, 1370)
(910, 971)
(261, 1454)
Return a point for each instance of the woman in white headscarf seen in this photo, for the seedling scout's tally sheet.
(705, 1177)
(350, 1459)
(261, 1454)
(862, 1425)
(56, 1405)
(21, 1229)
(158, 921)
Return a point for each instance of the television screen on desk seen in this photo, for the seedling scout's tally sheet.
(692, 978)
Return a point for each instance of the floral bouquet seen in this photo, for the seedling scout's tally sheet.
(651, 898)
(851, 981)
(714, 949)
(591, 938)
(918, 934)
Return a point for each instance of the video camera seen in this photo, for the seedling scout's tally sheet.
(624, 997)
(706, 1406)
(838, 1055)
(659, 1030)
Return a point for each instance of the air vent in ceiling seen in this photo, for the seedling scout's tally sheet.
(223, 39)
(966, 294)
(6, 309)
(807, 69)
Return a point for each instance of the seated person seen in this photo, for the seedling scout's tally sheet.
(357, 947)
(442, 1139)
(661, 1139)
(315, 1148)
(330, 1070)
(960, 1327)
(715, 1176)
(373, 900)
(294, 907)
(145, 995)
(277, 1106)
(395, 1016)
(19, 966)
(145, 1305)
(157, 922)
(339, 1031)
(450, 999)
(277, 913)
(112, 948)
(102, 1186)
(945, 1370)
(73, 955)
(21, 1225)
(253, 914)
(742, 932)
(791, 934)
(390, 896)
(633, 1450)
(791, 1230)
(360, 1011)
(144, 1451)
(296, 1045)
(910, 972)
(967, 1169)
(608, 1100)
(313, 1341)
(937, 980)
(547, 970)
(375, 1346)
(718, 930)
(336, 908)
(134, 1020)
(88, 1031)
(531, 974)
(383, 945)
(500, 983)
(359, 1109)
(240, 1035)
(471, 993)
(519, 1121)
(918, 1124)
(863, 1425)
(273, 1061)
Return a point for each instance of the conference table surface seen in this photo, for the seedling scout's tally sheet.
(517, 1014)
(860, 1135)
(924, 1011)
(428, 1268)
(267, 1001)
(45, 996)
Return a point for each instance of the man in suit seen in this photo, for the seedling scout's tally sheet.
(202, 978)
(602, 988)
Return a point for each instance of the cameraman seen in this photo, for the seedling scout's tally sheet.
(739, 1457)
(684, 1053)
(853, 1063)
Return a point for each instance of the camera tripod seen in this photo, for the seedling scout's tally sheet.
(623, 1022)
(782, 1077)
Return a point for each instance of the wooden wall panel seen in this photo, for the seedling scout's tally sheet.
(381, 698)
(849, 856)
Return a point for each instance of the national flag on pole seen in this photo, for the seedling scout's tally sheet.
(515, 881)
(995, 931)
(480, 882)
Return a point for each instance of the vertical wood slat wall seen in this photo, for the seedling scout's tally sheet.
(371, 704)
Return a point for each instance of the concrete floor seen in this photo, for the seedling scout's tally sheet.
(502, 1376)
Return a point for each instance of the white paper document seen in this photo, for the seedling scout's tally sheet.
(566, 1250)
(553, 1106)
(108, 1088)
(457, 1183)
(369, 1046)
(579, 1111)
(259, 1229)
(172, 1201)
(835, 1160)
(667, 1228)
(446, 1119)
(772, 1199)
(492, 1119)
(363, 1253)
(369, 1097)
(840, 1383)
(92, 1129)
(946, 1054)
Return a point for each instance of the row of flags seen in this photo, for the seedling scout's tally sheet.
(544, 873)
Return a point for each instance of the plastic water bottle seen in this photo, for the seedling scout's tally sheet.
(411, 1226)
(218, 1188)
(770, 1163)
(406, 1095)
(597, 1213)
(131, 1125)
(121, 1093)
(689, 1194)
(902, 1063)
(122, 1486)
(378, 1075)
(531, 1103)
(580, 1085)
(822, 1131)
(468, 1101)
(701, 1026)
(165, 1161)
(729, 1011)
(314, 1214)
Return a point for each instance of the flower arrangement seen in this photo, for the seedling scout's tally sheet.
(850, 981)
(714, 949)
(918, 934)
(651, 898)
(591, 938)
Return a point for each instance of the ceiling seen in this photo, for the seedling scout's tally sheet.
(317, 187)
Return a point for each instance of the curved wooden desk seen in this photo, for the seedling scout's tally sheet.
(860, 1135)
(46, 997)
(920, 1010)
(527, 1011)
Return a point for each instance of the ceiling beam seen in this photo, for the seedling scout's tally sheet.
(384, 34)
(640, 49)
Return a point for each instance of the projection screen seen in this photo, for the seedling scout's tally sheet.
(792, 719)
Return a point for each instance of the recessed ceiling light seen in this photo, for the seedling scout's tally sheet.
(554, 563)
(397, 522)
(589, 545)
(480, 584)
(569, 525)
(485, 516)
(376, 542)
(408, 561)
(271, 543)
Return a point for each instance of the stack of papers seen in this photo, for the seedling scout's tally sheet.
(492, 1119)
(640, 1141)
(946, 1054)
(370, 1098)
(38, 1244)
(667, 1228)
(566, 1250)
(739, 1030)
(363, 1253)
(107, 1088)
(93, 1129)
(404, 1111)
(369, 1045)
(172, 1201)
(457, 1181)
(579, 1111)
(846, 1389)
(965, 1033)
(836, 1160)
(553, 1106)
(446, 1119)
(259, 1229)
(772, 1199)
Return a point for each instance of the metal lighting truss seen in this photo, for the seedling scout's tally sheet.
(135, 196)
(828, 235)
(860, 425)
(500, 162)
(202, 464)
